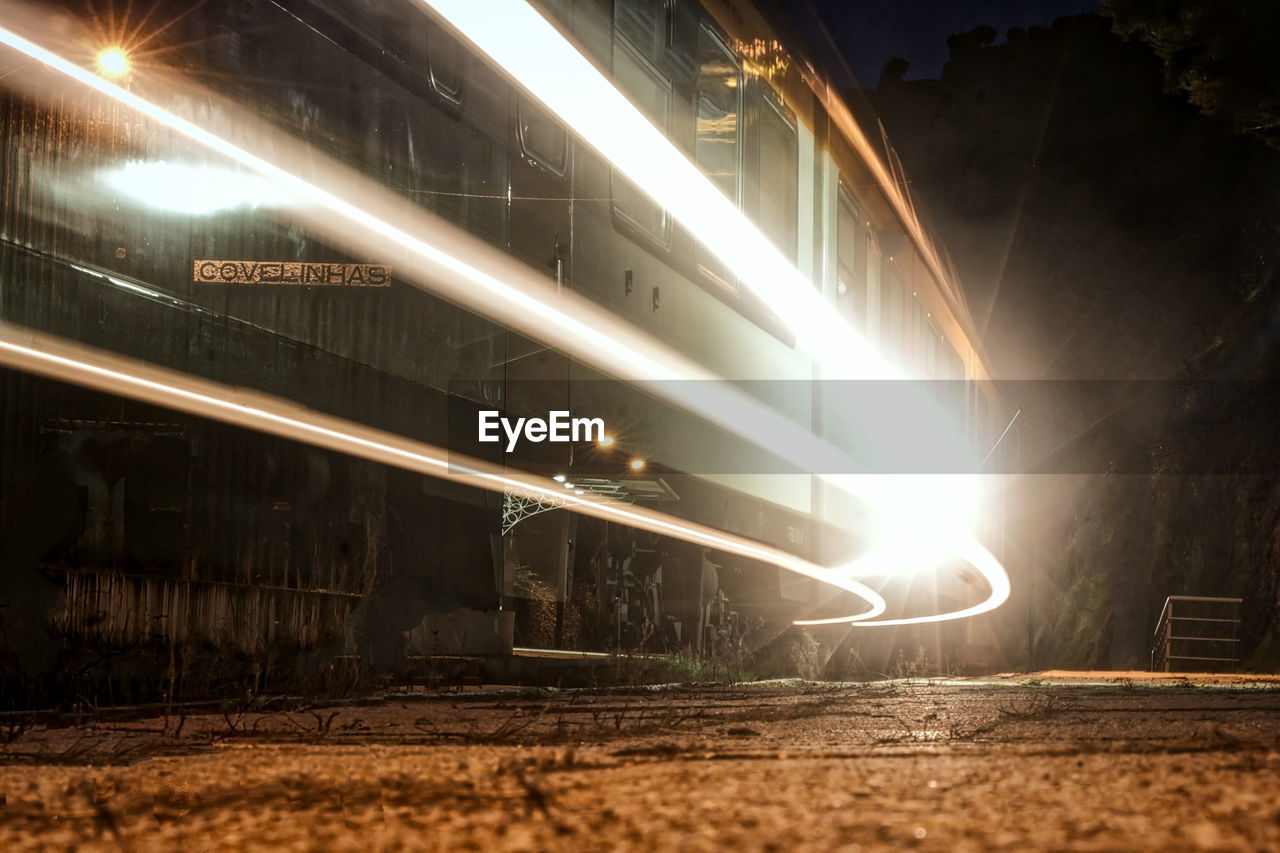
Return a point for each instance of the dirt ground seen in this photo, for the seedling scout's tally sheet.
(1101, 761)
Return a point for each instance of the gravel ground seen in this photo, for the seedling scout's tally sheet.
(1050, 763)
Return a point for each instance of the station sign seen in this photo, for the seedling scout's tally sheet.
(304, 273)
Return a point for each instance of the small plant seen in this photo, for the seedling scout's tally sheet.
(917, 667)
(1037, 706)
(807, 658)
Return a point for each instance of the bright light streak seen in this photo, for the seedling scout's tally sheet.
(470, 272)
(587, 102)
(488, 287)
(568, 84)
(113, 61)
(65, 361)
(193, 189)
(970, 550)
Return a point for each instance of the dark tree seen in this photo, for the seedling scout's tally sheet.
(1222, 54)
(893, 72)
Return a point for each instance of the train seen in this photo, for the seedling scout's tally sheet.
(145, 547)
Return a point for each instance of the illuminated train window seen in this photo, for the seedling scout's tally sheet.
(650, 91)
(644, 24)
(717, 129)
(542, 140)
(771, 177)
(892, 309)
(851, 260)
(719, 105)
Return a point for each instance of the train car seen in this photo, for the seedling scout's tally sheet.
(191, 189)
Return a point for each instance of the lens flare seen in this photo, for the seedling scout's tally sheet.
(113, 61)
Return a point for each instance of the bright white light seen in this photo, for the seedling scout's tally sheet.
(192, 189)
(559, 478)
(921, 518)
(113, 61)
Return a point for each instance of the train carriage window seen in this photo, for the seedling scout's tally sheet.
(916, 335)
(716, 130)
(445, 60)
(719, 105)
(851, 261)
(650, 91)
(771, 176)
(542, 140)
(892, 310)
(644, 24)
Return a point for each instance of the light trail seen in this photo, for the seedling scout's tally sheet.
(471, 273)
(567, 84)
(571, 87)
(970, 550)
(64, 361)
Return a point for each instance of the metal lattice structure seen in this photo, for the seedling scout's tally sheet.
(517, 506)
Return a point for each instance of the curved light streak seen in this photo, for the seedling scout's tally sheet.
(65, 361)
(487, 282)
(968, 549)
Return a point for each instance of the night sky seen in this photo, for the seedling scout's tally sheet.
(870, 32)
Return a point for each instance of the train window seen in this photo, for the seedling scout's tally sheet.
(916, 334)
(650, 91)
(892, 309)
(851, 261)
(770, 179)
(719, 105)
(643, 23)
(716, 130)
(445, 64)
(542, 140)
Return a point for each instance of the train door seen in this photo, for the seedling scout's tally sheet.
(537, 557)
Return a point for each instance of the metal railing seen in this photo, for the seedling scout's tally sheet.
(1205, 632)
